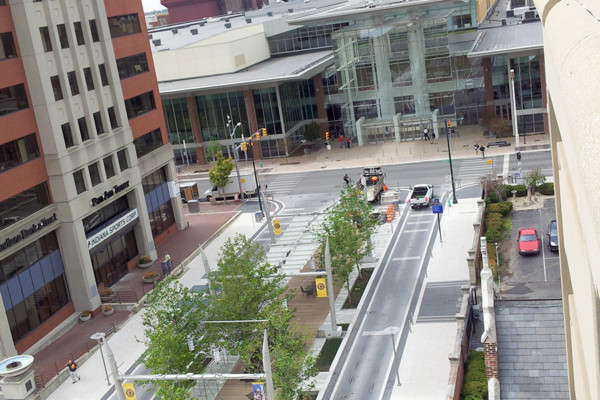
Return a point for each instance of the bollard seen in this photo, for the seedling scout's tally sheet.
(260, 163)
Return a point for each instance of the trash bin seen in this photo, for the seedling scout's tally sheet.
(193, 206)
(258, 216)
(213, 201)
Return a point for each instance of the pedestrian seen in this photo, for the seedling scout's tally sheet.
(432, 136)
(341, 140)
(347, 179)
(72, 371)
(425, 134)
(476, 147)
(348, 142)
(168, 260)
(482, 150)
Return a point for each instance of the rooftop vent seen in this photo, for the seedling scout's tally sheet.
(227, 25)
(290, 10)
(156, 42)
(194, 31)
(510, 13)
(150, 36)
(226, 19)
(248, 20)
(270, 14)
(174, 31)
(202, 23)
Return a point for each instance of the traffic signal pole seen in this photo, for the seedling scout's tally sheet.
(448, 126)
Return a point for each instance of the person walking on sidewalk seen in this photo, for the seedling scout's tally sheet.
(482, 149)
(72, 371)
(476, 147)
(169, 263)
(425, 134)
(432, 136)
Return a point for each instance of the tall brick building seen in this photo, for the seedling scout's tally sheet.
(190, 10)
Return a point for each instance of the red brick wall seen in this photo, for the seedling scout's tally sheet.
(45, 328)
(491, 360)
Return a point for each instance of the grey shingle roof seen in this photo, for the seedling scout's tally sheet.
(531, 350)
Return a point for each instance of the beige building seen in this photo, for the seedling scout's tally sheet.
(571, 46)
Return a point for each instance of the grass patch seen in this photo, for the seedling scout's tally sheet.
(358, 289)
(475, 382)
(327, 354)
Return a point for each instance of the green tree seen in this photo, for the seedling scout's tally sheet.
(170, 321)
(534, 179)
(220, 171)
(213, 148)
(312, 132)
(349, 226)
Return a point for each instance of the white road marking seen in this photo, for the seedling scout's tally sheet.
(416, 230)
(406, 258)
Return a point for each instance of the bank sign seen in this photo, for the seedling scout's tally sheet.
(113, 228)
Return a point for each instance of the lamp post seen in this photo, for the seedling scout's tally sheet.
(99, 336)
(257, 185)
(235, 158)
(513, 107)
(448, 125)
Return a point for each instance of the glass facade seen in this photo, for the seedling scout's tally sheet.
(12, 98)
(24, 204)
(17, 152)
(267, 110)
(213, 110)
(33, 285)
(303, 39)
(147, 143)
(123, 25)
(156, 193)
(298, 101)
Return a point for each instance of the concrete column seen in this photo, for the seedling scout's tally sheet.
(252, 122)
(320, 97)
(416, 52)
(397, 137)
(384, 77)
(78, 266)
(173, 183)
(7, 346)
(346, 53)
(196, 128)
(359, 132)
(280, 110)
(142, 230)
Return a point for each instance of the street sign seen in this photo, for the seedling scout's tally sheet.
(277, 226)
(129, 390)
(437, 207)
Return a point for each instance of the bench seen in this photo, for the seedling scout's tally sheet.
(309, 291)
(498, 143)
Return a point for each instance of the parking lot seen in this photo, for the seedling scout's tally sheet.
(536, 276)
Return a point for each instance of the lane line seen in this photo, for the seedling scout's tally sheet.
(416, 230)
(406, 258)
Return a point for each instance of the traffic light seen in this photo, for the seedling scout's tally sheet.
(326, 135)
(449, 124)
(244, 146)
(518, 155)
(257, 135)
(264, 131)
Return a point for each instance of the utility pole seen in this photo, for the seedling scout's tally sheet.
(330, 286)
(448, 126)
(268, 215)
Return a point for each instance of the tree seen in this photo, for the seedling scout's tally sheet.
(284, 145)
(533, 180)
(312, 131)
(173, 317)
(213, 148)
(349, 226)
(220, 171)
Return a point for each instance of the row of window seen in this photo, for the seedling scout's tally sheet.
(73, 83)
(23, 204)
(63, 37)
(17, 152)
(83, 127)
(94, 171)
(7, 46)
(13, 98)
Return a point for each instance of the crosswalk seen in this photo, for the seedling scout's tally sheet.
(471, 169)
(284, 184)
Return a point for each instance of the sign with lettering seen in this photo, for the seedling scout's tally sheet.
(113, 228)
(25, 232)
(109, 193)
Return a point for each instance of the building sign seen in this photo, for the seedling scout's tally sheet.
(109, 193)
(25, 232)
(111, 229)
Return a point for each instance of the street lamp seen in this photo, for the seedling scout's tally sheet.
(448, 126)
(235, 158)
(99, 336)
(513, 107)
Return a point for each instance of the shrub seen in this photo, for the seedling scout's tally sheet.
(107, 292)
(492, 216)
(475, 382)
(508, 205)
(493, 235)
(507, 191)
(521, 190)
(491, 197)
(546, 188)
(106, 307)
(85, 313)
(503, 208)
(150, 275)
(144, 260)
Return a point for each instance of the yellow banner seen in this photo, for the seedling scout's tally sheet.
(129, 390)
(277, 226)
(321, 287)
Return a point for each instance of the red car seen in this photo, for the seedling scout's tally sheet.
(529, 242)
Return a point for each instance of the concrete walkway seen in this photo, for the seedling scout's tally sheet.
(425, 357)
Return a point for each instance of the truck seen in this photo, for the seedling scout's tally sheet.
(232, 188)
(372, 178)
(421, 195)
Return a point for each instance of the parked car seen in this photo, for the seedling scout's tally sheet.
(529, 241)
(552, 236)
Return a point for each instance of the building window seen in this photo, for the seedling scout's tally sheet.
(56, 88)
(147, 143)
(132, 65)
(73, 83)
(17, 152)
(67, 135)
(109, 167)
(45, 34)
(98, 123)
(94, 174)
(103, 75)
(83, 129)
(122, 157)
(7, 46)
(158, 202)
(79, 33)
(12, 98)
(89, 81)
(113, 118)
(94, 30)
(122, 25)
(37, 288)
(62, 36)
(79, 182)
(213, 110)
(13, 210)
(140, 104)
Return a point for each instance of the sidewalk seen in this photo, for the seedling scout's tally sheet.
(216, 227)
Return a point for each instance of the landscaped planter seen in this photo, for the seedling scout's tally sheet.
(145, 262)
(85, 316)
(150, 277)
(107, 310)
